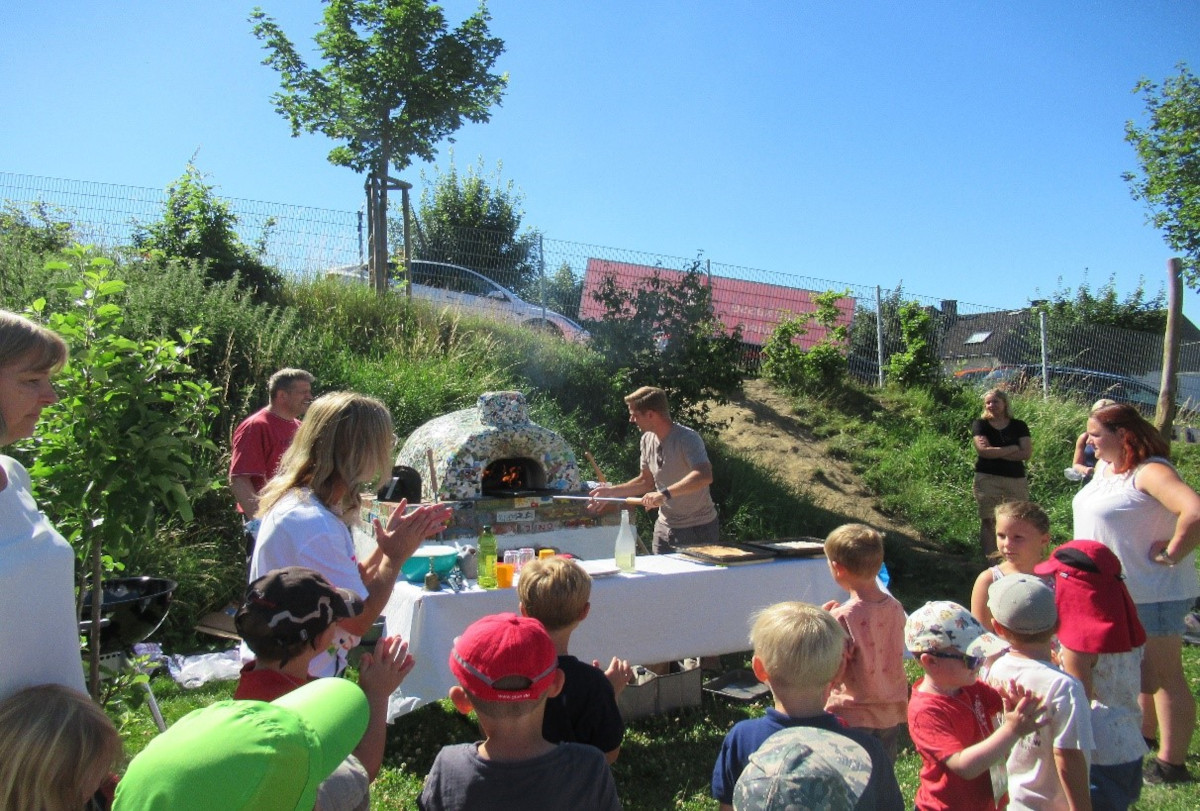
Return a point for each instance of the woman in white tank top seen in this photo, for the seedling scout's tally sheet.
(1138, 507)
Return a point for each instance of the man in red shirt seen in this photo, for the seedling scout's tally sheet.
(261, 439)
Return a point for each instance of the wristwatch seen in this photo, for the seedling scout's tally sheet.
(1165, 558)
(666, 493)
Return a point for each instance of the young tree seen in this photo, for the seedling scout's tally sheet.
(474, 220)
(1168, 149)
(664, 331)
(393, 84)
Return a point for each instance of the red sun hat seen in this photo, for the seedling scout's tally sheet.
(503, 646)
(1096, 613)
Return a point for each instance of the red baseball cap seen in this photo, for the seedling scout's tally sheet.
(1096, 612)
(502, 646)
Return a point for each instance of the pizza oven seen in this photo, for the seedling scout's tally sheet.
(499, 467)
(492, 449)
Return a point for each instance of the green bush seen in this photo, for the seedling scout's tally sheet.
(821, 366)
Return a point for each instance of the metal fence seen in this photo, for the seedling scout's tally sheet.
(972, 340)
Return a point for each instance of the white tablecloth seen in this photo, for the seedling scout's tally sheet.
(669, 609)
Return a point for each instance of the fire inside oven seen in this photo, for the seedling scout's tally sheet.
(513, 477)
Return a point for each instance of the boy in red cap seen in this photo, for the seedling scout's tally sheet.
(1101, 645)
(507, 666)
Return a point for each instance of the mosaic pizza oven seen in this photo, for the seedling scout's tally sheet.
(491, 450)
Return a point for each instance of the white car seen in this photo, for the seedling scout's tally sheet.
(449, 285)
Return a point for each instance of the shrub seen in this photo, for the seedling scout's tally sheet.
(126, 448)
(794, 368)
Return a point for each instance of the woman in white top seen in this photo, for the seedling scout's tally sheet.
(307, 509)
(1138, 507)
(39, 633)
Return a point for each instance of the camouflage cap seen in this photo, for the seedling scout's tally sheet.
(803, 768)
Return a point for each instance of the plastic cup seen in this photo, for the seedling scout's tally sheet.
(546, 553)
(526, 555)
(504, 575)
(513, 557)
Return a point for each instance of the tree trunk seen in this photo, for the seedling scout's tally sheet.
(1164, 417)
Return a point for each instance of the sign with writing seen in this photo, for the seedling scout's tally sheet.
(514, 516)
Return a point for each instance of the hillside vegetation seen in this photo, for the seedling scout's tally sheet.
(900, 458)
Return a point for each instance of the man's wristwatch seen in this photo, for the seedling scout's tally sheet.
(666, 493)
(1165, 558)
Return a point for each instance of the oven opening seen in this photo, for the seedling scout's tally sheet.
(513, 477)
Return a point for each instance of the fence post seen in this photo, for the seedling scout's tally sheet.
(542, 274)
(879, 334)
(1045, 364)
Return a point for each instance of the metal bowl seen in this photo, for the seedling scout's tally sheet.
(134, 608)
(444, 558)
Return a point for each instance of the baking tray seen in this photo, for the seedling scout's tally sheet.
(738, 555)
(803, 547)
(740, 685)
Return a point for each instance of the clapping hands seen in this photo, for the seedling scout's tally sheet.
(1023, 710)
(380, 673)
(404, 533)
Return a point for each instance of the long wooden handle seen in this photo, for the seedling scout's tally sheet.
(433, 484)
(599, 473)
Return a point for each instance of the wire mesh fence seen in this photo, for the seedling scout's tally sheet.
(973, 342)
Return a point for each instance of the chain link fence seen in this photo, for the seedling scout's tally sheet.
(974, 343)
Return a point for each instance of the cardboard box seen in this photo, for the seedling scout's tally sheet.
(650, 694)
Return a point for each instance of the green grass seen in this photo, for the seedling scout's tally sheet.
(666, 761)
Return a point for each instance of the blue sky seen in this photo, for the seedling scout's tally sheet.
(970, 150)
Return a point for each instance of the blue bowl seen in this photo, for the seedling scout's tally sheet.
(444, 558)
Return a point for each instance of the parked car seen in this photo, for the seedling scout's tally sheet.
(1087, 385)
(974, 376)
(446, 285)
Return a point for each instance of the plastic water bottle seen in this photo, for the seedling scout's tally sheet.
(487, 558)
(626, 549)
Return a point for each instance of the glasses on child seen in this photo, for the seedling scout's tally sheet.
(971, 662)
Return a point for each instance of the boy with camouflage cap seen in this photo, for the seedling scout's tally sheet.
(804, 767)
(798, 652)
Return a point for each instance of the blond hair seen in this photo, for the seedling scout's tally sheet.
(1002, 396)
(30, 344)
(798, 644)
(1025, 511)
(345, 440)
(554, 591)
(858, 548)
(56, 748)
(649, 398)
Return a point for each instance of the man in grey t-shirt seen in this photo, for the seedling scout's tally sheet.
(675, 475)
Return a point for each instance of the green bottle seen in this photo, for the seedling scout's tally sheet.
(487, 558)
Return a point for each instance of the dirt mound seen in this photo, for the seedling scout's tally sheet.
(761, 425)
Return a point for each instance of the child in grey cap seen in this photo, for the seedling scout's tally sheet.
(1048, 768)
(803, 767)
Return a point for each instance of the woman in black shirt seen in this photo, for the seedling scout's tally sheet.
(1003, 444)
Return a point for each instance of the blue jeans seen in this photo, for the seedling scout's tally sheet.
(1164, 619)
(1115, 788)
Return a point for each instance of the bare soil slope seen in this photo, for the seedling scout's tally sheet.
(761, 426)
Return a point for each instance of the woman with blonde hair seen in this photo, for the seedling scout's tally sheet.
(307, 510)
(1002, 445)
(57, 749)
(37, 565)
(1083, 465)
(1137, 505)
